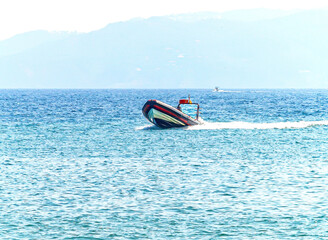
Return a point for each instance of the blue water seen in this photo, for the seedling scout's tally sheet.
(86, 164)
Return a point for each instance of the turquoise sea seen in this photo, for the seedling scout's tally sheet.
(86, 164)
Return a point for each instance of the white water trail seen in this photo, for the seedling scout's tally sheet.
(249, 125)
(147, 127)
(244, 125)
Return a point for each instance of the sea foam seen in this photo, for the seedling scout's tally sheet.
(244, 125)
(248, 125)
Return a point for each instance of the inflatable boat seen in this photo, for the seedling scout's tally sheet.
(166, 116)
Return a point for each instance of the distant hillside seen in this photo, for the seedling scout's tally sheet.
(283, 50)
(25, 41)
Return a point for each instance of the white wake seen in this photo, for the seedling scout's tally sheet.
(249, 125)
(147, 127)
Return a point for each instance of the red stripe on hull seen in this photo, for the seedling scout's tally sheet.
(171, 114)
(146, 108)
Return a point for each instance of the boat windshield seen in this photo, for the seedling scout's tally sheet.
(189, 109)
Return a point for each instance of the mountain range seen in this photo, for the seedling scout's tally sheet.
(257, 48)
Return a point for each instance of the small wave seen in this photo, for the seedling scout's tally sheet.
(248, 125)
(147, 127)
(229, 91)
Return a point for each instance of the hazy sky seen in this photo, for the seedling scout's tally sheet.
(17, 16)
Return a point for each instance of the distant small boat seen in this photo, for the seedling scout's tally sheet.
(216, 89)
(166, 116)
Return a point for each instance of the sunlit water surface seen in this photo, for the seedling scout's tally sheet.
(86, 164)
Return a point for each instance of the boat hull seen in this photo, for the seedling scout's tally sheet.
(166, 116)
